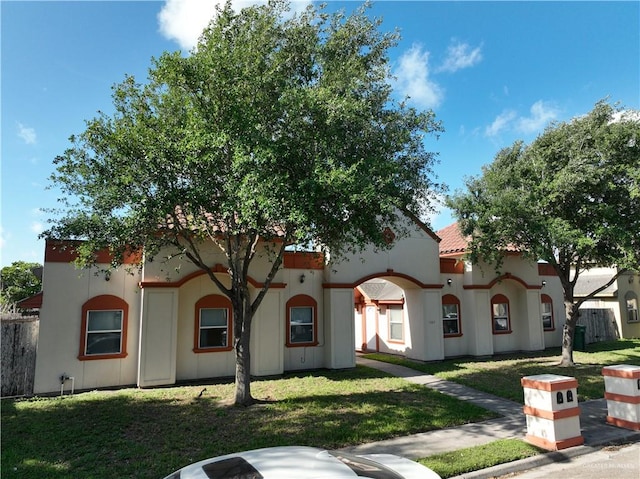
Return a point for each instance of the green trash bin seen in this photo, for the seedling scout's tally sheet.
(579, 343)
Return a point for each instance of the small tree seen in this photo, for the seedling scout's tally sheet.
(571, 198)
(18, 282)
(274, 131)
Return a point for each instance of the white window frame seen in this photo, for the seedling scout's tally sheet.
(495, 302)
(632, 307)
(90, 332)
(447, 318)
(395, 319)
(225, 328)
(292, 339)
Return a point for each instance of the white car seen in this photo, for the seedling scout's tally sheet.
(298, 462)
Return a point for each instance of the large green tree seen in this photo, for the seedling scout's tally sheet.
(273, 130)
(570, 198)
(18, 281)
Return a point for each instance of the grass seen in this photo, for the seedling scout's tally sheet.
(501, 375)
(149, 433)
(471, 459)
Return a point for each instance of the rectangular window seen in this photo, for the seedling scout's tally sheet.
(547, 316)
(450, 319)
(104, 332)
(301, 324)
(500, 317)
(213, 328)
(396, 329)
(632, 310)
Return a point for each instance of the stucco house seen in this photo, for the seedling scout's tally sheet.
(166, 322)
(617, 303)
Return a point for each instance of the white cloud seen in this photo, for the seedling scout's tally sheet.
(27, 134)
(501, 123)
(184, 20)
(459, 56)
(412, 79)
(541, 114)
(37, 227)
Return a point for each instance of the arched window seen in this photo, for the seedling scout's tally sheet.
(500, 314)
(548, 323)
(213, 324)
(451, 316)
(103, 330)
(632, 307)
(302, 321)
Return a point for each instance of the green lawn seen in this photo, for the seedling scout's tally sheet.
(501, 375)
(149, 433)
(471, 459)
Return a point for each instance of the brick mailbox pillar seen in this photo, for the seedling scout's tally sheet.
(553, 415)
(622, 392)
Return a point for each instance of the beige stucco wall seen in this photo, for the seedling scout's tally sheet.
(298, 358)
(553, 289)
(66, 289)
(162, 315)
(269, 353)
(414, 255)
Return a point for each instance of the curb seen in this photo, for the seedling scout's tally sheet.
(546, 458)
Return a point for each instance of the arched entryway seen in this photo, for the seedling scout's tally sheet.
(391, 315)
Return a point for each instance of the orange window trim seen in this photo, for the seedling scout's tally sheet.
(105, 302)
(301, 301)
(452, 299)
(213, 301)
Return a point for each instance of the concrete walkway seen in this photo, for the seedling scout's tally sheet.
(595, 431)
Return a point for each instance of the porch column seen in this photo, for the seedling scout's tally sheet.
(339, 332)
(479, 327)
(425, 324)
(158, 337)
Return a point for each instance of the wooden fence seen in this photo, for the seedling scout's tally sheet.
(19, 338)
(600, 325)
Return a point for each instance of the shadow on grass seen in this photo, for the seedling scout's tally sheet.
(150, 433)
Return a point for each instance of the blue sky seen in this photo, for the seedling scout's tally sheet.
(493, 72)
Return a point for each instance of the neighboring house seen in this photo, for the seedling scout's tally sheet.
(166, 321)
(31, 304)
(619, 301)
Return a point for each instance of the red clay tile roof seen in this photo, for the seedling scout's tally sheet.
(453, 243)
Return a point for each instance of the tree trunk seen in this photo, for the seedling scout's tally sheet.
(242, 340)
(572, 315)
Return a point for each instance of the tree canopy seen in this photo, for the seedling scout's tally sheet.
(19, 281)
(270, 128)
(570, 198)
